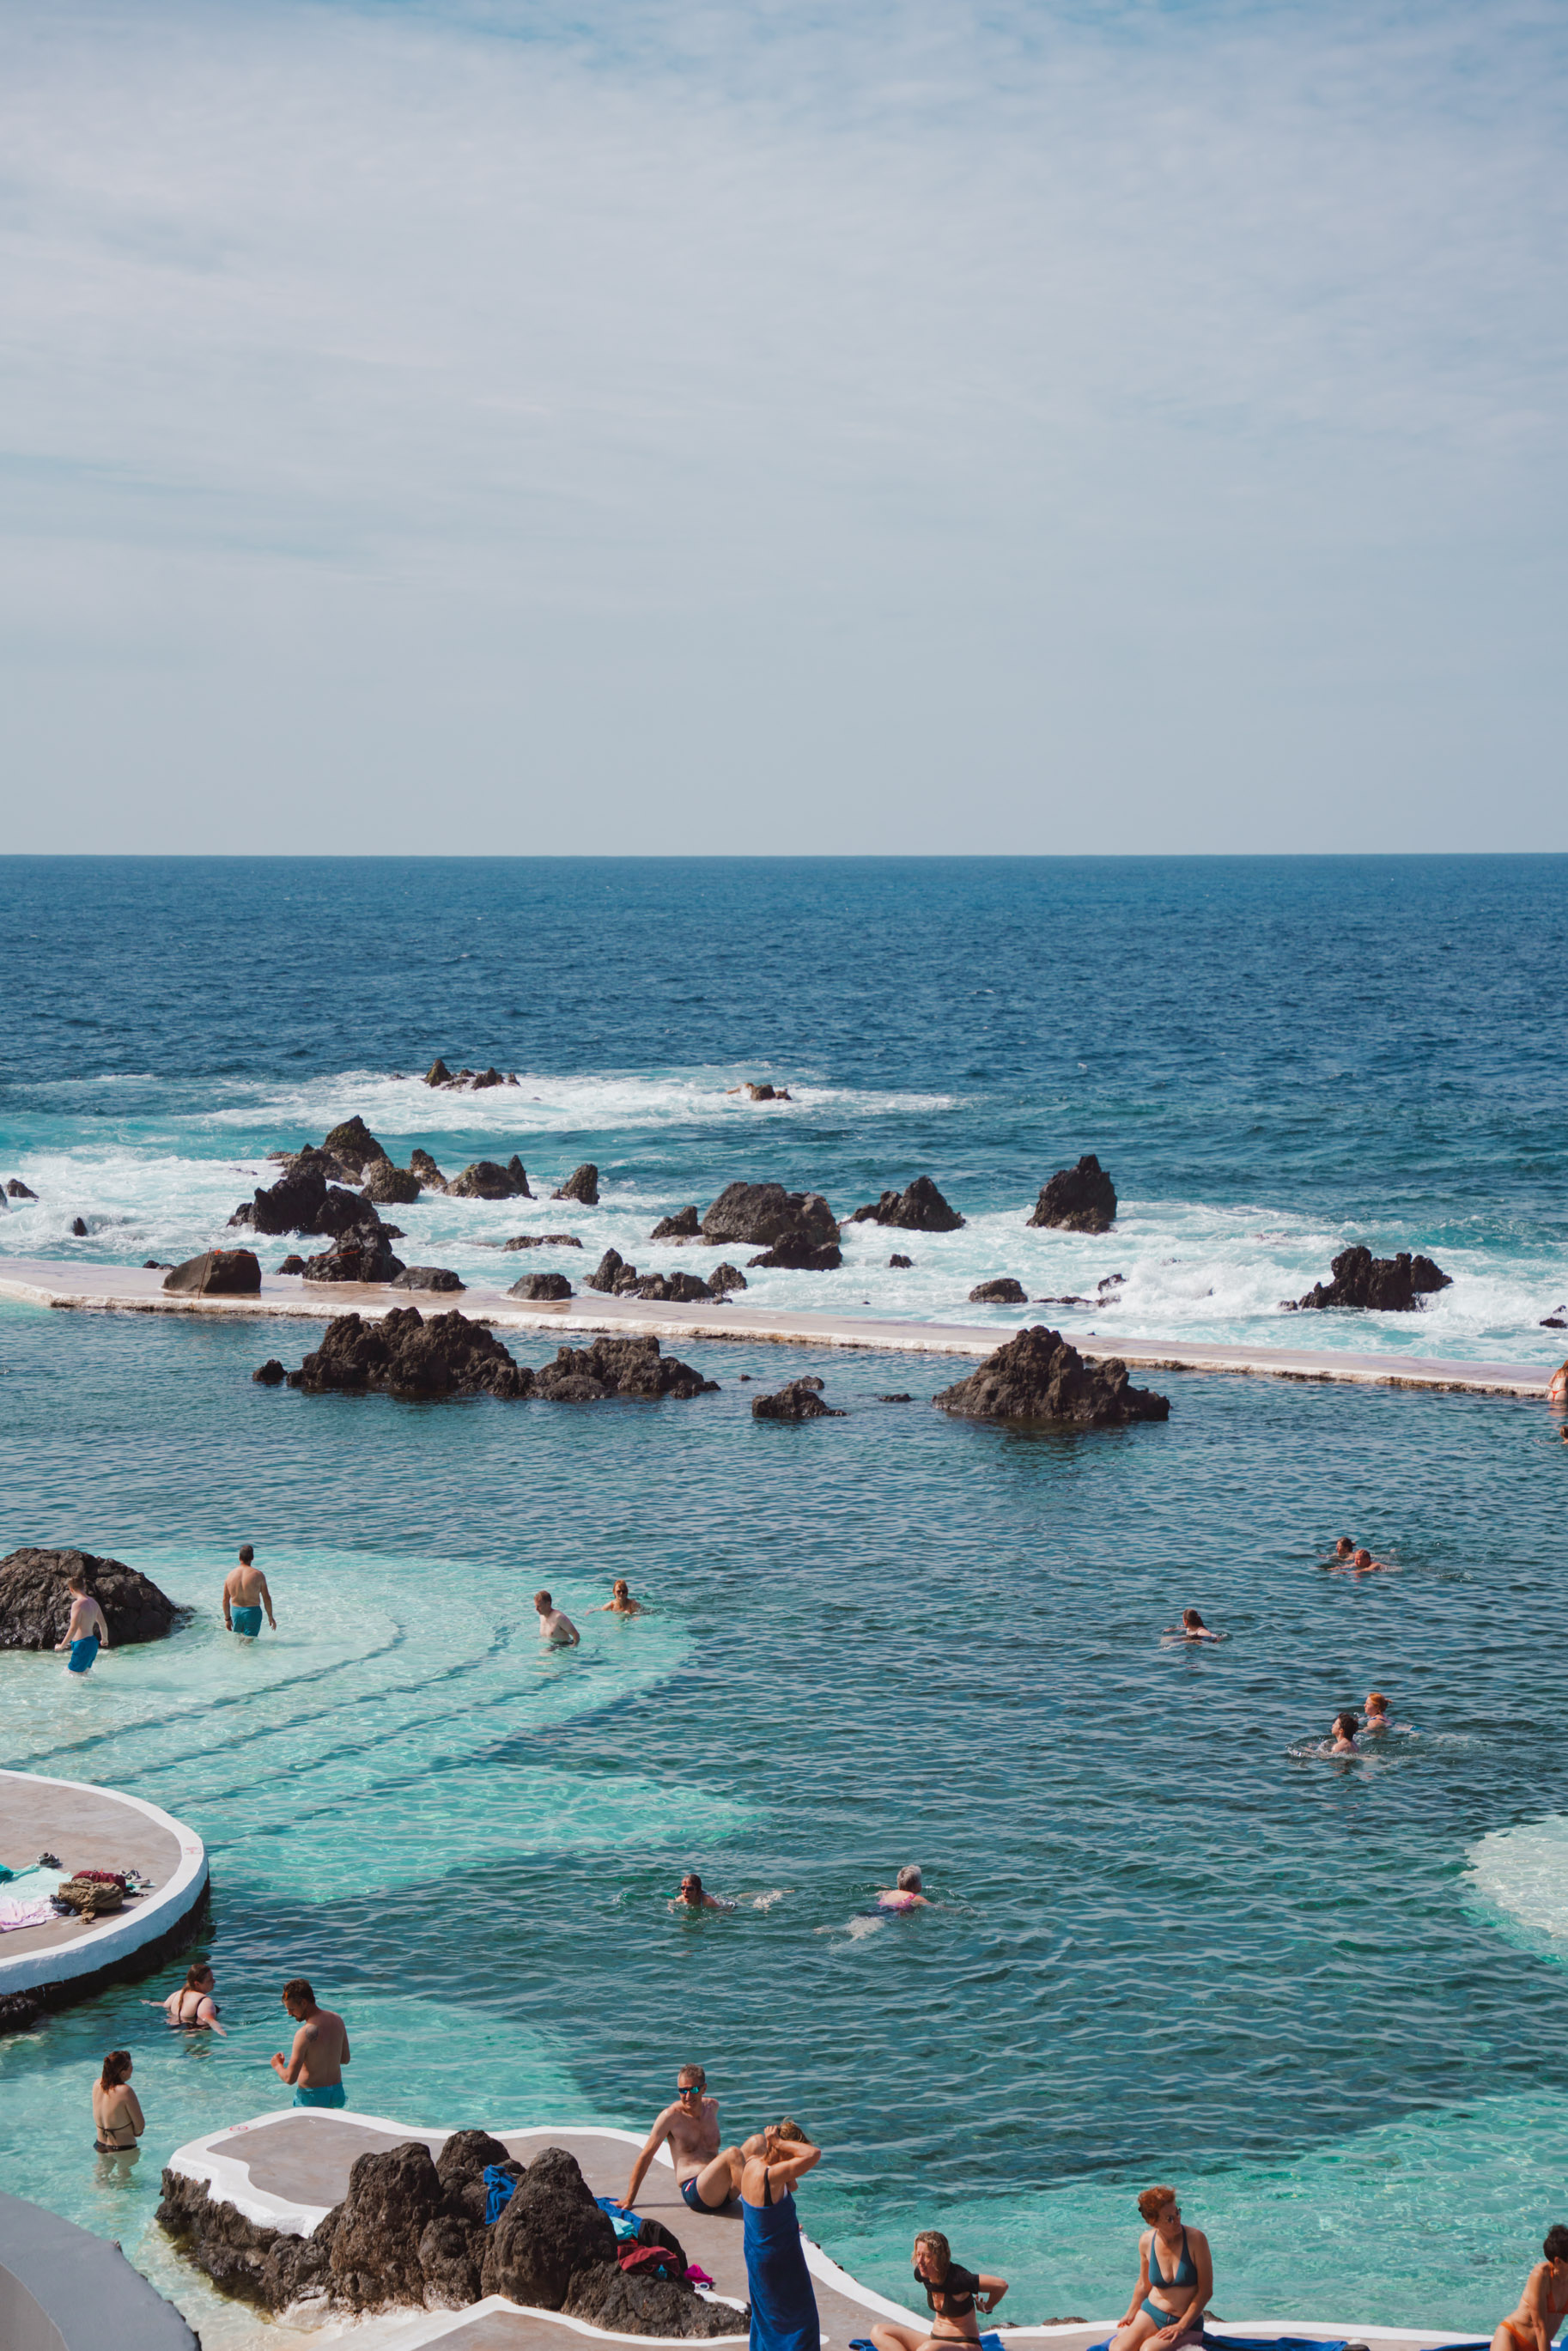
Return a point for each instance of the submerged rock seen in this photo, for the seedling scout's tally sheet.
(1038, 1376)
(421, 1164)
(78, 1228)
(1080, 1199)
(34, 1605)
(896, 1264)
(427, 1277)
(271, 1374)
(216, 1273)
(404, 1354)
(801, 1257)
(918, 1208)
(541, 1285)
(1005, 1293)
(626, 1367)
(682, 1227)
(486, 1180)
(582, 1184)
(354, 1145)
(1377, 1285)
(800, 1400)
(767, 1216)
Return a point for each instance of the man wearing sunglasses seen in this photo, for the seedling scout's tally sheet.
(708, 2176)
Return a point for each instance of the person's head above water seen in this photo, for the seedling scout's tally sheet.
(1192, 1621)
(1363, 1559)
(1346, 1726)
(1376, 1702)
(543, 1603)
(621, 1589)
(298, 1997)
(116, 2069)
(909, 1879)
(691, 1887)
(1344, 1547)
(933, 2255)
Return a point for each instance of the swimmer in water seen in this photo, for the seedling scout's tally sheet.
(1343, 1553)
(906, 1895)
(621, 1602)
(1364, 1564)
(555, 1626)
(1191, 1628)
(192, 2008)
(693, 1896)
(1344, 1735)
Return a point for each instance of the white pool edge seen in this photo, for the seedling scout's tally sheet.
(127, 1932)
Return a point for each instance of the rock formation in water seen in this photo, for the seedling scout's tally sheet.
(611, 1272)
(802, 1400)
(1378, 1285)
(726, 1278)
(582, 1184)
(271, 1374)
(1037, 1376)
(1005, 1293)
(305, 1199)
(1080, 1199)
(447, 1355)
(679, 1288)
(424, 1166)
(354, 1144)
(541, 1285)
(767, 1217)
(35, 1606)
(364, 1254)
(389, 1186)
(542, 1241)
(427, 1277)
(918, 1208)
(682, 1225)
(79, 1227)
(758, 1089)
(896, 1264)
(292, 1264)
(216, 1273)
(627, 1367)
(466, 1080)
(16, 1190)
(487, 1181)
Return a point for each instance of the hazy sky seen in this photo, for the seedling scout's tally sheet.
(787, 427)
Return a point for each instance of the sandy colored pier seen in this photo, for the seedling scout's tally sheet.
(94, 1828)
(286, 2170)
(131, 1289)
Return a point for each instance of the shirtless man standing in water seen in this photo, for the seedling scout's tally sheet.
(314, 2066)
(708, 2176)
(245, 1596)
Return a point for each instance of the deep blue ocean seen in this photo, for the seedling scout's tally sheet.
(1171, 1943)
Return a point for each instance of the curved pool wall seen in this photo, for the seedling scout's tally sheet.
(64, 2289)
(129, 1943)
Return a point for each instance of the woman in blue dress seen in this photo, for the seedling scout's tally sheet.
(783, 2306)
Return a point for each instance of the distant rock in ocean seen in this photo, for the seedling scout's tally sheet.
(1080, 1199)
(802, 1400)
(486, 1180)
(682, 1227)
(353, 1143)
(16, 1190)
(918, 1208)
(582, 1184)
(1038, 1376)
(793, 1228)
(1005, 1291)
(405, 1353)
(1377, 1285)
(466, 1082)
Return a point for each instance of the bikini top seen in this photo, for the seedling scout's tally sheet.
(1186, 2269)
(180, 2016)
(954, 2297)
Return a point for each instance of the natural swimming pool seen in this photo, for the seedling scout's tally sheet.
(1311, 1995)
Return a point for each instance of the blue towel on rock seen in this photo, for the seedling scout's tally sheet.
(498, 2187)
(624, 2223)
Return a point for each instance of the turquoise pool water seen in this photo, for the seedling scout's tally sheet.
(1171, 1943)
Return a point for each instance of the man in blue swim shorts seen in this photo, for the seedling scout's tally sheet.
(314, 2067)
(88, 1629)
(245, 1595)
(708, 2176)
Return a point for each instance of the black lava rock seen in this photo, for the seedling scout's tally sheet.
(1080, 1199)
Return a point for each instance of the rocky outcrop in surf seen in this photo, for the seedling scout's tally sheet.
(365, 1254)
(1038, 1376)
(682, 1225)
(802, 1400)
(216, 1273)
(623, 1367)
(1080, 1199)
(1003, 1293)
(486, 1180)
(405, 1353)
(16, 1190)
(541, 1285)
(427, 1277)
(792, 1229)
(1377, 1285)
(466, 1080)
(542, 1241)
(582, 1184)
(421, 1164)
(34, 1605)
(307, 1197)
(353, 1143)
(918, 1208)
(389, 1186)
(614, 1277)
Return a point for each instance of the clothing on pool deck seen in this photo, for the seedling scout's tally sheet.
(783, 2306)
(82, 1655)
(246, 1621)
(693, 2200)
(333, 2094)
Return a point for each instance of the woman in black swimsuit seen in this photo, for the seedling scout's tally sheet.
(192, 2009)
(953, 2294)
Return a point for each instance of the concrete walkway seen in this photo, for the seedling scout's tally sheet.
(93, 1828)
(131, 1289)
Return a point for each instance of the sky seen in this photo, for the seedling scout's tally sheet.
(774, 428)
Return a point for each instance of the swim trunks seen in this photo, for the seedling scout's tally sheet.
(82, 1655)
(246, 1621)
(693, 2203)
(333, 2094)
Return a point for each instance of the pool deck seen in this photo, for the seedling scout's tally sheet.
(94, 1828)
(132, 1290)
(286, 2170)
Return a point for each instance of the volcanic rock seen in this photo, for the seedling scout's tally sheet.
(900, 1398)
(1005, 1293)
(764, 1215)
(305, 1199)
(389, 1186)
(404, 1354)
(35, 1606)
(427, 1277)
(421, 1164)
(1379, 1285)
(799, 1400)
(725, 1278)
(582, 1184)
(801, 1257)
(461, 2163)
(919, 1208)
(550, 2230)
(216, 1273)
(78, 1228)
(487, 1181)
(438, 1074)
(684, 1288)
(541, 1285)
(354, 1144)
(604, 1276)
(626, 2304)
(255, 2265)
(16, 1190)
(682, 1227)
(896, 1264)
(391, 2198)
(1037, 1376)
(362, 1255)
(1080, 1199)
(543, 1241)
(271, 1374)
(292, 1264)
(628, 1368)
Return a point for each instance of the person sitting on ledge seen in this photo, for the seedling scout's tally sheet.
(192, 2008)
(118, 2121)
(707, 2175)
(1543, 2304)
(953, 2293)
(621, 1602)
(87, 1630)
(314, 2067)
(555, 1626)
(1176, 2278)
(245, 1595)
(906, 1895)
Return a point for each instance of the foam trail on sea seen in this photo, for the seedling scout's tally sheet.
(1520, 1874)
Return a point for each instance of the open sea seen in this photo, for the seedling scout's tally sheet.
(1172, 1942)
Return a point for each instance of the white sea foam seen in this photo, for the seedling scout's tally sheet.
(1521, 1875)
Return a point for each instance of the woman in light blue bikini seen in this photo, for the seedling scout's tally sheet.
(1176, 2278)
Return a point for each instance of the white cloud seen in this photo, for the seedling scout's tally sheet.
(768, 428)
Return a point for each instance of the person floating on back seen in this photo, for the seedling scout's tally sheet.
(707, 2175)
(245, 1595)
(555, 1626)
(314, 2067)
(906, 1895)
(953, 2294)
(1543, 2304)
(88, 1629)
